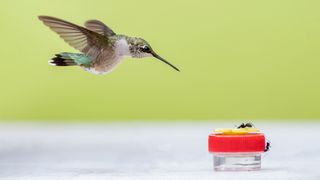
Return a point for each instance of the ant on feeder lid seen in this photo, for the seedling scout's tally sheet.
(245, 125)
(268, 146)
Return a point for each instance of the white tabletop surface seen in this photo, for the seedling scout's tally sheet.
(148, 151)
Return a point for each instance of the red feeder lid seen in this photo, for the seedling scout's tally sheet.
(236, 143)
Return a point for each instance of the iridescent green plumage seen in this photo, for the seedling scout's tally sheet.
(79, 59)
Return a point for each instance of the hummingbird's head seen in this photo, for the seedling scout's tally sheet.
(140, 48)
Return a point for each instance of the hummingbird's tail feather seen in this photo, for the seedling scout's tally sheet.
(70, 59)
(59, 60)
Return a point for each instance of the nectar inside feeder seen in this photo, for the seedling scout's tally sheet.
(237, 149)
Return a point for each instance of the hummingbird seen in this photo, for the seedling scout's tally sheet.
(101, 48)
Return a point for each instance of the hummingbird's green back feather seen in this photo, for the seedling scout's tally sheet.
(79, 59)
(70, 59)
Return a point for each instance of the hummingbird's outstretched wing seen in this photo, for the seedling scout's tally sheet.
(86, 41)
(99, 27)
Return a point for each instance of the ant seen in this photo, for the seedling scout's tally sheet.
(243, 125)
(268, 146)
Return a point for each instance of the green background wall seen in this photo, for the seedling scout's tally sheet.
(244, 59)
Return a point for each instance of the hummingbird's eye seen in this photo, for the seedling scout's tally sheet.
(145, 49)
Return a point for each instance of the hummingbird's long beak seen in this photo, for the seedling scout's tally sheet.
(163, 60)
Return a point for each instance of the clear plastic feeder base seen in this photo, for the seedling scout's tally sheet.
(237, 161)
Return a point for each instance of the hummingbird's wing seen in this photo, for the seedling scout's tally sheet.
(99, 27)
(86, 41)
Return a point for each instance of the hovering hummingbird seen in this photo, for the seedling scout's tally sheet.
(102, 49)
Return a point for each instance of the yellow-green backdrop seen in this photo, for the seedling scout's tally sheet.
(243, 59)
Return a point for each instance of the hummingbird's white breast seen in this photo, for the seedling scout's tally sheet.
(122, 47)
